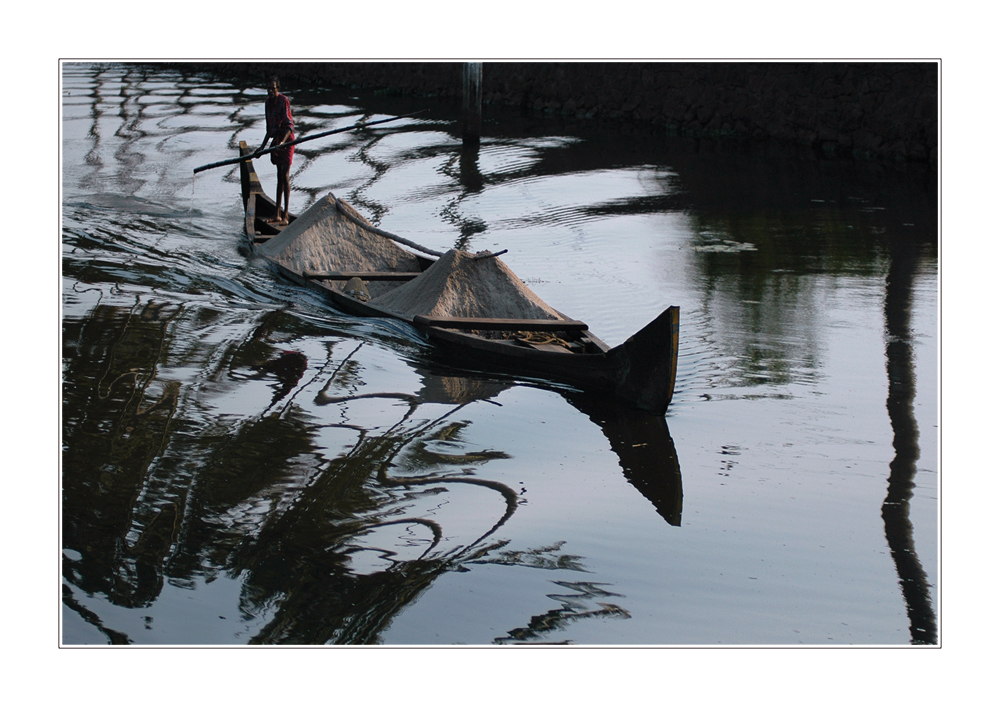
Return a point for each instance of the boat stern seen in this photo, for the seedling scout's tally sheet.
(249, 181)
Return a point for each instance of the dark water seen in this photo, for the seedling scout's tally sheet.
(242, 464)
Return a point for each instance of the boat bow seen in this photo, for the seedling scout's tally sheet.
(647, 363)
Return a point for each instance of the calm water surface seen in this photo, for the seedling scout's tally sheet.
(243, 464)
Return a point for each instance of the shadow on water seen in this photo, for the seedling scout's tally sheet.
(159, 487)
(644, 448)
(903, 468)
(472, 182)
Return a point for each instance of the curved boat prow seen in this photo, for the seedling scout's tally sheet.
(497, 336)
(647, 363)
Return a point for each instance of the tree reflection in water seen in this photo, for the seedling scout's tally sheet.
(329, 546)
(111, 449)
(574, 608)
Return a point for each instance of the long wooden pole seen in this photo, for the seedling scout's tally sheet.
(252, 155)
(385, 234)
(472, 102)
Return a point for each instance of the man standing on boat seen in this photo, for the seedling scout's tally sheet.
(278, 116)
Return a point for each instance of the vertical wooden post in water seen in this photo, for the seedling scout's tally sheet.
(472, 102)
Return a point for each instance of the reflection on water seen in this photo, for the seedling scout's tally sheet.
(231, 443)
(905, 441)
(129, 413)
(335, 524)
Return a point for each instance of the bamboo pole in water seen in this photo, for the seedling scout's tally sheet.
(472, 102)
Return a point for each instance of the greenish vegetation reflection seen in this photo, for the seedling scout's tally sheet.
(772, 238)
(769, 241)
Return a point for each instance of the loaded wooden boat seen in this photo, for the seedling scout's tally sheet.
(471, 305)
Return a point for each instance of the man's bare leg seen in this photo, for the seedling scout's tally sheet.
(283, 191)
(284, 181)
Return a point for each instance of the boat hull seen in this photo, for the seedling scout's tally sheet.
(642, 371)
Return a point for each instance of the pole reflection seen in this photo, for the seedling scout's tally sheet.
(903, 467)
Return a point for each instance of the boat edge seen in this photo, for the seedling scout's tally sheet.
(645, 370)
(647, 363)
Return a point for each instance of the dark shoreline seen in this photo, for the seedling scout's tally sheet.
(864, 110)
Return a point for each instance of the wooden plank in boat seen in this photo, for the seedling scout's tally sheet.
(346, 275)
(501, 324)
(552, 348)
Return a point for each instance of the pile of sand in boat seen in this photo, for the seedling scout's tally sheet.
(457, 284)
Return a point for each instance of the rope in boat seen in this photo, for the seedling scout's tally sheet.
(539, 337)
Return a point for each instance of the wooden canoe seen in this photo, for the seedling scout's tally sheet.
(640, 371)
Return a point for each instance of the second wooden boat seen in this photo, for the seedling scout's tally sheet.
(472, 305)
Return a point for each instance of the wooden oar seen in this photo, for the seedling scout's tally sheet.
(252, 155)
